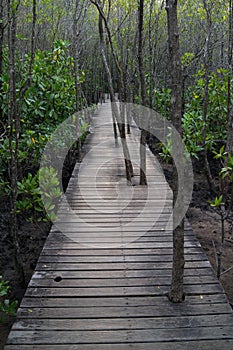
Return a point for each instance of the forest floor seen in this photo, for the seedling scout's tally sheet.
(32, 238)
(204, 221)
(206, 224)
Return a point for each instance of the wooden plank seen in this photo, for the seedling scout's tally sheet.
(126, 290)
(114, 251)
(119, 336)
(115, 266)
(117, 258)
(225, 344)
(110, 312)
(137, 244)
(120, 301)
(120, 273)
(111, 282)
(124, 323)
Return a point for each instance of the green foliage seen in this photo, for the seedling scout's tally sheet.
(227, 163)
(30, 201)
(225, 200)
(218, 201)
(187, 58)
(162, 99)
(84, 130)
(227, 171)
(30, 193)
(6, 307)
(166, 150)
(217, 103)
(192, 123)
(216, 123)
(165, 153)
(49, 100)
(49, 185)
(221, 154)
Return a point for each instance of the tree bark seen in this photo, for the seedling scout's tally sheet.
(115, 111)
(176, 293)
(229, 144)
(76, 75)
(207, 64)
(143, 179)
(14, 127)
(14, 111)
(121, 120)
(1, 49)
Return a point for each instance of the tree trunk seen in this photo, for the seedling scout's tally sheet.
(14, 126)
(229, 145)
(115, 111)
(121, 120)
(207, 64)
(143, 180)
(1, 49)
(76, 75)
(14, 111)
(176, 293)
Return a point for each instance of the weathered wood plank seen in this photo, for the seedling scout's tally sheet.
(120, 273)
(119, 336)
(198, 345)
(134, 301)
(97, 313)
(126, 290)
(116, 266)
(136, 244)
(114, 258)
(123, 323)
(80, 250)
(111, 282)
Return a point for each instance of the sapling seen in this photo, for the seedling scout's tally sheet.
(223, 203)
(6, 307)
(220, 209)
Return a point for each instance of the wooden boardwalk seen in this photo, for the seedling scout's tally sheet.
(101, 280)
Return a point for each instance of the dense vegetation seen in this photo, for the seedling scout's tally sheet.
(51, 67)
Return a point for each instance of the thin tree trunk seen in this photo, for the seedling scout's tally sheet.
(176, 293)
(120, 74)
(1, 49)
(115, 111)
(14, 112)
(151, 56)
(229, 144)
(14, 124)
(143, 180)
(205, 112)
(127, 86)
(207, 64)
(76, 75)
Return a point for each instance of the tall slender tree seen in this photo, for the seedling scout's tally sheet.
(143, 180)
(79, 12)
(229, 145)
(118, 115)
(2, 28)
(15, 101)
(14, 130)
(176, 293)
(207, 67)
